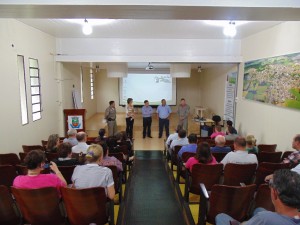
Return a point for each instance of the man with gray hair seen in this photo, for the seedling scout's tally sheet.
(220, 145)
(285, 189)
(81, 146)
(71, 137)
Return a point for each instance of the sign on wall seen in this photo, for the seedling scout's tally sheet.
(230, 94)
(75, 122)
(274, 80)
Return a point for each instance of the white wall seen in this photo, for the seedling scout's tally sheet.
(270, 124)
(213, 81)
(29, 42)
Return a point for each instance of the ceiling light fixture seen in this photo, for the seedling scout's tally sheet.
(87, 28)
(230, 29)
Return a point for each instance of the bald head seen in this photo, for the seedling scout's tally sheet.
(220, 140)
(81, 136)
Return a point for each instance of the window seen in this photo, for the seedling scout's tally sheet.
(22, 86)
(92, 83)
(35, 87)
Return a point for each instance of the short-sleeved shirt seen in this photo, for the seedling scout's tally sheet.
(39, 181)
(110, 113)
(187, 148)
(172, 137)
(220, 149)
(147, 111)
(239, 157)
(92, 175)
(192, 161)
(272, 218)
(183, 111)
(180, 141)
(111, 161)
(72, 141)
(80, 147)
(129, 111)
(163, 111)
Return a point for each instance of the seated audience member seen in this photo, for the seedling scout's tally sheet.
(35, 163)
(71, 137)
(240, 155)
(230, 136)
(93, 175)
(220, 145)
(229, 124)
(182, 140)
(101, 138)
(294, 158)
(203, 155)
(123, 139)
(251, 144)
(173, 136)
(82, 146)
(53, 143)
(285, 189)
(217, 131)
(65, 156)
(110, 160)
(191, 147)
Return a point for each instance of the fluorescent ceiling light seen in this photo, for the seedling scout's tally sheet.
(230, 29)
(87, 28)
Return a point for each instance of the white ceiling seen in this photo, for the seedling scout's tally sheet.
(145, 29)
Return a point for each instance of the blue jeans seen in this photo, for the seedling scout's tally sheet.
(224, 219)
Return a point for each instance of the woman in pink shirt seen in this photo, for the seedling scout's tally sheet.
(217, 131)
(203, 155)
(35, 162)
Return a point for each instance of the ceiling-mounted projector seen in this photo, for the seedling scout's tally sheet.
(150, 67)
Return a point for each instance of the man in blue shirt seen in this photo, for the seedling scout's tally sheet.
(191, 147)
(163, 113)
(220, 145)
(147, 119)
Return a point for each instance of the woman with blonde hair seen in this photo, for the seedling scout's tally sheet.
(53, 143)
(251, 144)
(93, 175)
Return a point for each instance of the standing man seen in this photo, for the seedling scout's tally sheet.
(147, 119)
(110, 116)
(163, 113)
(183, 113)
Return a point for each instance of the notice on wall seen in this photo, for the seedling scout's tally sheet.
(230, 94)
(75, 122)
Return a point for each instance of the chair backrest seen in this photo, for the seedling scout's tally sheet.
(9, 159)
(28, 148)
(263, 198)
(286, 154)
(116, 177)
(85, 206)
(206, 174)
(22, 156)
(7, 175)
(22, 170)
(67, 172)
(39, 206)
(51, 156)
(234, 174)
(174, 156)
(232, 200)
(265, 168)
(273, 157)
(266, 148)
(8, 215)
(186, 155)
(219, 155)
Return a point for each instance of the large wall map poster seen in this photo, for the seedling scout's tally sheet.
(274, 80)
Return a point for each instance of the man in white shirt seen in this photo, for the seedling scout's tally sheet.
(81, 146)
(173, 137)
(182, 140)
(240, 155)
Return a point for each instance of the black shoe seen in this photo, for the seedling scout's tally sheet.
(159, 136)
(149, 136)
(144, 137)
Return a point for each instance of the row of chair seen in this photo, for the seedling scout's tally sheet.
(43, 206)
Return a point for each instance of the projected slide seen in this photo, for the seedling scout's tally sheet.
(153, 87)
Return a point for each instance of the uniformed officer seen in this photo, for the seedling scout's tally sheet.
(183, 114)
(110, 116)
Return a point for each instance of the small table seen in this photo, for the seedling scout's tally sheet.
(204, 122)
(201, 109)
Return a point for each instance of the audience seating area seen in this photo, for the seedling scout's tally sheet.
(236, 190)
(44, 206)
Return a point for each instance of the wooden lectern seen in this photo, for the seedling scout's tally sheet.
(74, 118)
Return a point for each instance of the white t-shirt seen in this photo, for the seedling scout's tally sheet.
(239, 157)
(80, 147)
(92, 175)
(180, 141)
(296, 169)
